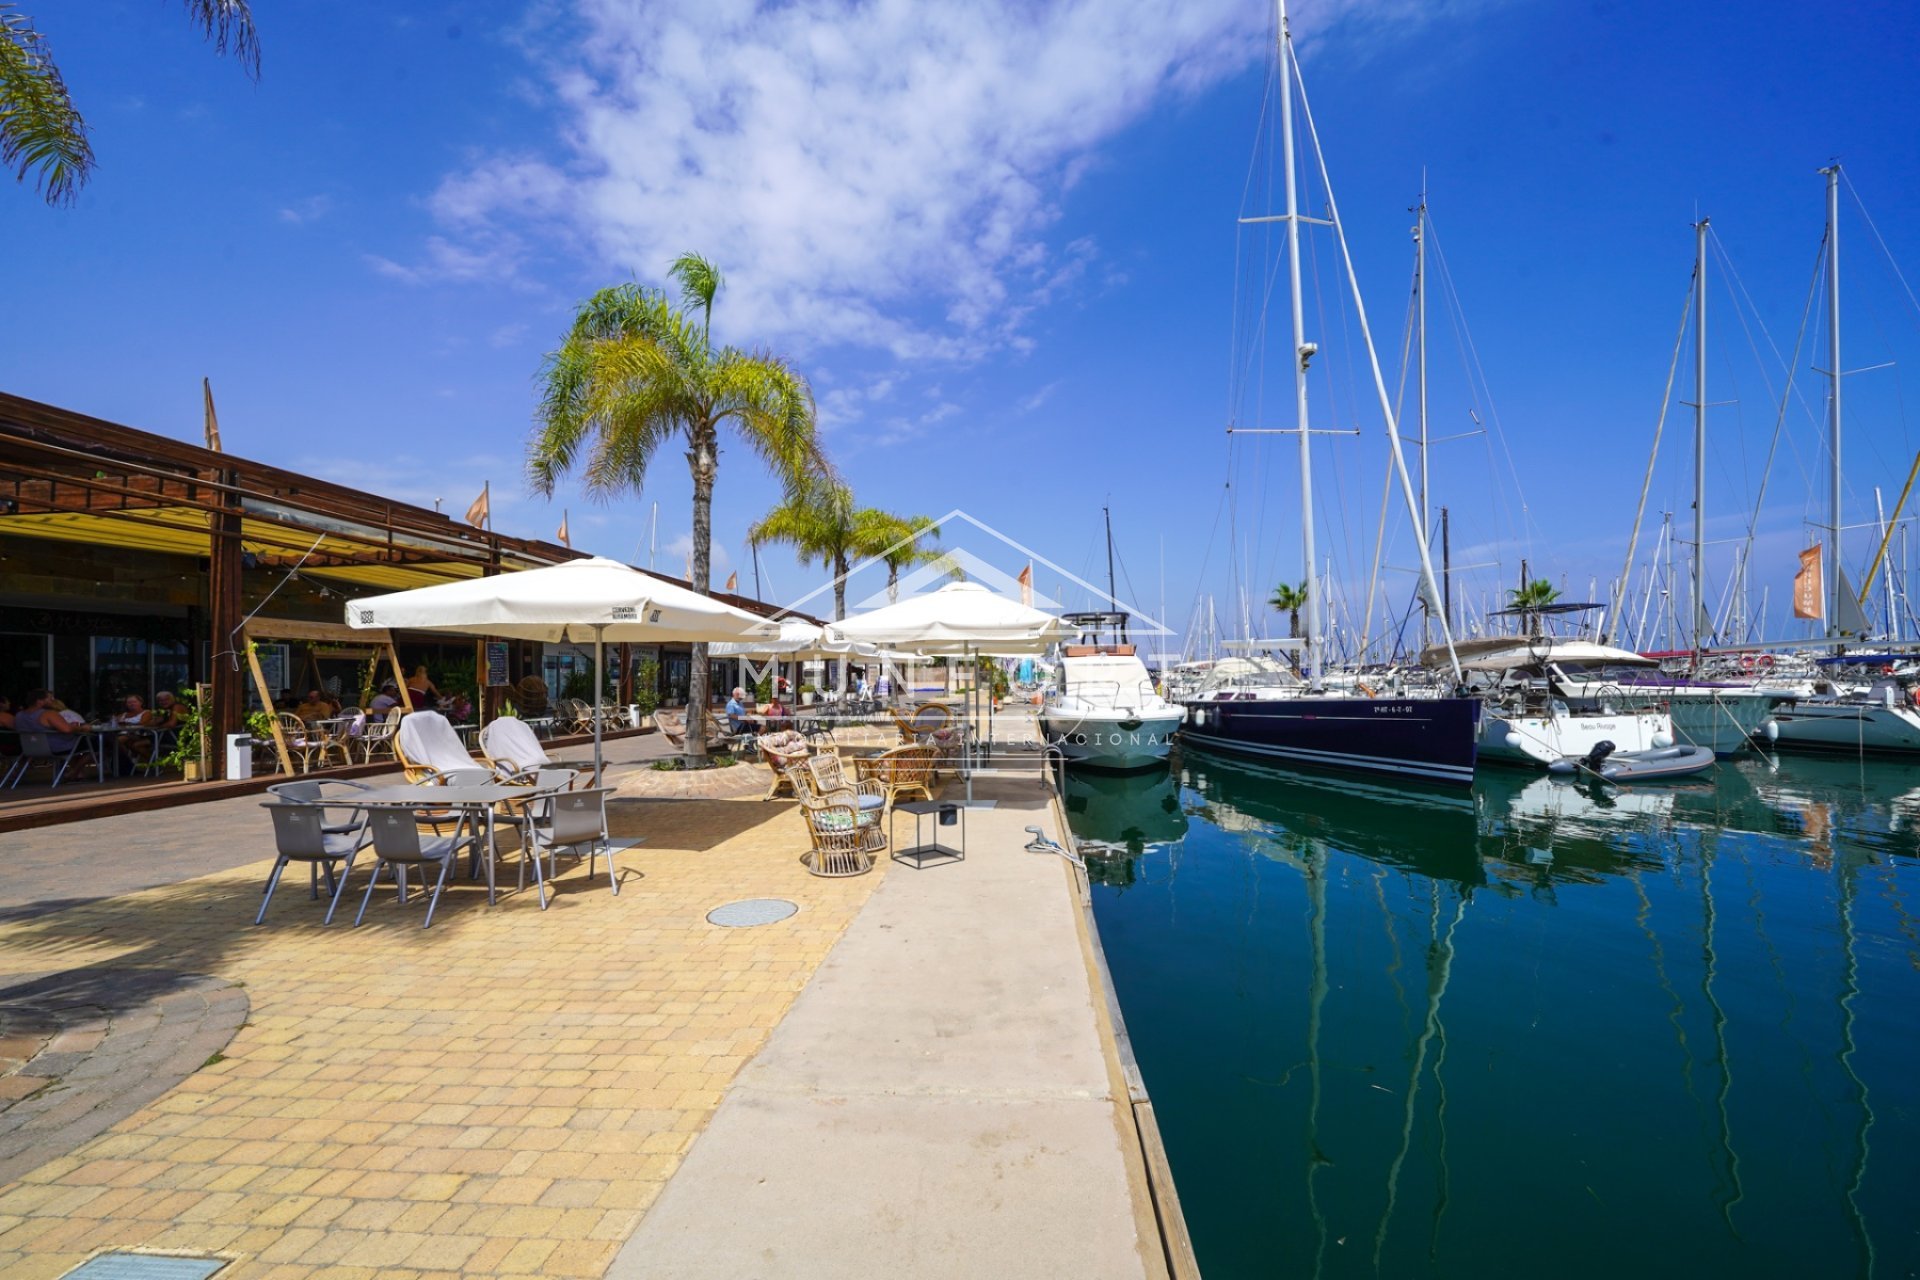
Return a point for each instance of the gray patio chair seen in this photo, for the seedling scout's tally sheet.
(38, 749)
(568, 820)
(398, 843)
(300, 834)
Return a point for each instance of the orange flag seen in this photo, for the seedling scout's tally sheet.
(1026, 585)
(565, 539)
(482, 508)
(733, 583)
(1809, 592)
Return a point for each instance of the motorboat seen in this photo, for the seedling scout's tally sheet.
(1104, 711)
(1636, 766)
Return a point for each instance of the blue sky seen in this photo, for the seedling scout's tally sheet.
(1001, 240)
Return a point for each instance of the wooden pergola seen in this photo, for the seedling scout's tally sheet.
(322, 632)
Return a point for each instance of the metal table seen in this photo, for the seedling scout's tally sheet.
(919, 853)
(479, 796)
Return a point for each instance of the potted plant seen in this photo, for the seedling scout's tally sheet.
(807, 691)
(188, 737)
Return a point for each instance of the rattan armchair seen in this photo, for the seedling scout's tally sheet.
(781, 751)
(843, 836)
(901, 771)
(829, 777)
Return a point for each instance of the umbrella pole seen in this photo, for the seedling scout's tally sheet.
(968, 740)
(599, 682)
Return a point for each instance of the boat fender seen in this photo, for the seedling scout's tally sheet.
(1662, 740)
(1772, 729)
(1199, 717)
(1513, 740)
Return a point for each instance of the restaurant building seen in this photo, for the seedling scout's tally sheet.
(131, 562)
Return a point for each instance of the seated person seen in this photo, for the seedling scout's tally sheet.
(737, 710)
(47, 714)
(165, 717)
(776, 709)
(316, 707)
(386, 700)
(132, 749)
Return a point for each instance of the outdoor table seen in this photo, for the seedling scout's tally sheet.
(477, 796)
(919, 853)
(100, 733)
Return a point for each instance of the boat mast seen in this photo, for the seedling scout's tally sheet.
(1303, 351)
(1701, 627)
(1113, 591)
(1832, 173)
(1420, 294)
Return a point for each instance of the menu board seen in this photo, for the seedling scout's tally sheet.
(496, 664)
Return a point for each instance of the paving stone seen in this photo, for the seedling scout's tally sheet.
(404, 1100)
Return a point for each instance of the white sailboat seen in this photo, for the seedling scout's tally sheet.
(1883, 719)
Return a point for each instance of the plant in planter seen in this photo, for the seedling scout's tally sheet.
(807, 691)
(192, 731)
(646, 686)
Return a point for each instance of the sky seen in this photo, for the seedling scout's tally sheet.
(1002, 242)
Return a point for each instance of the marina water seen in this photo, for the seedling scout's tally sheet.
(1542, 1029)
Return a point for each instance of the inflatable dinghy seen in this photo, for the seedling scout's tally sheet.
(1635, 766)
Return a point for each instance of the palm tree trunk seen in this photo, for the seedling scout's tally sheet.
(893, 583)
(701, 458)
(840, 611)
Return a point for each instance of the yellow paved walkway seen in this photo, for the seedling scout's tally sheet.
(503, 1094)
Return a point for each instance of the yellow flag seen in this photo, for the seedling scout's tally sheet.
(482, 508)
(1809, 592)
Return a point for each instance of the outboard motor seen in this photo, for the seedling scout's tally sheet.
(1598, 756)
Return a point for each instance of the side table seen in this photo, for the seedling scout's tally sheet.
(920, 853)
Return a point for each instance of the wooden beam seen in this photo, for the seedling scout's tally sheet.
(400, 677)
(273, 716)
(225, 616)
(328, 632)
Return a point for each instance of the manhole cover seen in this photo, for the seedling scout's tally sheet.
(145, 1266)
(749, 911)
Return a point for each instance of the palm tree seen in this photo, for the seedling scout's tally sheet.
(41, 131)
(1529, 598)
(1290, 600)
(822, 525)
(635, 373)
(900, 541)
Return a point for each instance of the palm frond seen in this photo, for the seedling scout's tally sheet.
(699, 282)
(40, 130)
(229, 24)
(771, 407)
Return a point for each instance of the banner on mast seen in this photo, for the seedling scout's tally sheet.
(1809, 587)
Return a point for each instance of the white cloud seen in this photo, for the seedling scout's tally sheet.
(676, 555)
(305, 210)
(877, 173)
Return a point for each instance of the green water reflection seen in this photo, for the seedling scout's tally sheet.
(1535, 1031)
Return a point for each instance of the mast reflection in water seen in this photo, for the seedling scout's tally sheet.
(1540, 1030)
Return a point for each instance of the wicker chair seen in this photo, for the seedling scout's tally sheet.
(901, 771)
(782, 750)
(673, 727)
(305, 744)
(376, 738)
(828, 777)
(843, 836)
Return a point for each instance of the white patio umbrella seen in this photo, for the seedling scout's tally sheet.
(963, 618)
(591, 598)
(799, 642)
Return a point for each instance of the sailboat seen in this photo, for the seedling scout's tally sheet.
(1421, 734)
(1883, 719)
